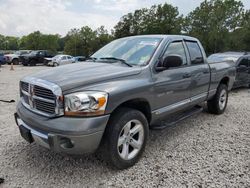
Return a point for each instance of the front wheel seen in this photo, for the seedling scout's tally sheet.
(218, 103)
(125, 137)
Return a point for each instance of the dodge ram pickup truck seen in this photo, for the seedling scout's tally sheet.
(110, 101)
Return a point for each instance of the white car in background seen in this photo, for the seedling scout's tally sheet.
(14, 58)
(59, 60)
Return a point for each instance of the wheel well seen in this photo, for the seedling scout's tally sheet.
(225, 81)
(138, 104)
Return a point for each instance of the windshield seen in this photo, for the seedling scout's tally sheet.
(33, 52)
(134, 50)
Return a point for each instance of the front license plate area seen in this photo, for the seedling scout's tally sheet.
(25, 133)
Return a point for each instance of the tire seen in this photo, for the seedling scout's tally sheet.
(55, 64)
(15, 61)
(32, 63)
(118, 127)
(218, 103)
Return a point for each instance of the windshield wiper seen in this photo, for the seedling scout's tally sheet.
(117, 59)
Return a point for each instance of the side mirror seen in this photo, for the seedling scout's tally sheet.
(169, 62)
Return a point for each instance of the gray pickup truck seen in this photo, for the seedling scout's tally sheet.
(110, 101)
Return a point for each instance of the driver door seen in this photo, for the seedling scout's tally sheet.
(172, 87)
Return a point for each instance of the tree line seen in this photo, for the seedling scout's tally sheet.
(220, 25)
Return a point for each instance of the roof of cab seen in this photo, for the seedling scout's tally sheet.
(166, 36)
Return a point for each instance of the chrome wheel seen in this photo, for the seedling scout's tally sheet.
(223, 99)
(130, 140)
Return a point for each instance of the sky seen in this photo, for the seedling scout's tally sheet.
(21, 17)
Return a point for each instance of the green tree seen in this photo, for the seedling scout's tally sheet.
(212, 22)
(239, 39)
(159, 19)
(85, 41)
(39, 41)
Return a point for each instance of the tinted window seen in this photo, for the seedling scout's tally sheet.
(195, 53)
(41, 53)
(244, 62)
(176, 48)
(81, 59)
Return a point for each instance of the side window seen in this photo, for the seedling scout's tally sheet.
(64, 58)
(244, 62)
(195, 53)
(176, 48)
(41, 53)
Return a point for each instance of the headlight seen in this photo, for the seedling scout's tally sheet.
(89, 103)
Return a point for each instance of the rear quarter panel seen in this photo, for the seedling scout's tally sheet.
(222, 70)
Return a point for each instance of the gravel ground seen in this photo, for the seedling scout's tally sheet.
(202, 151)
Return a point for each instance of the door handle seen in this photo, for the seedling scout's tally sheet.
(186, 75)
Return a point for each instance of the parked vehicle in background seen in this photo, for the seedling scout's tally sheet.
(111, 100)
(35, 57)
(60, 60)
(2, 59)
(79, 59)
(241, 60)
(14, 58)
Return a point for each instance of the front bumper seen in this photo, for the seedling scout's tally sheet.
(62, 134)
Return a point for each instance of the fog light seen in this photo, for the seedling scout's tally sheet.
(66, 143)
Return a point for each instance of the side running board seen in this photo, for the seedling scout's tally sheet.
(175, 118)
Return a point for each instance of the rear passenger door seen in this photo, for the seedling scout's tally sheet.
(200, 72)
(64, 60)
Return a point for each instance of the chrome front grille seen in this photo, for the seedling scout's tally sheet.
(25, 86)
(45, 106)
(43, 92)
(41, 97)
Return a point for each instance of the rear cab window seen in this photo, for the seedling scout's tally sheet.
(194, 52)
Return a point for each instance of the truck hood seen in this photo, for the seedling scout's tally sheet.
(82, 74)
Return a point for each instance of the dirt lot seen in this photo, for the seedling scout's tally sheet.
(203, 151)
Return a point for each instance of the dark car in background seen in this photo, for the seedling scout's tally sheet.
(79, 59)
(35, 57)
(241, 60)
(2, 59)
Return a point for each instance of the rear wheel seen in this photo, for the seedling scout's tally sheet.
(55, 64)
(125, 137)
(218, 103)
